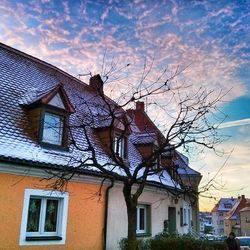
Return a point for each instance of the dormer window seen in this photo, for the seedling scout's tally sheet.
(228, 205)
(120, 146)
(157, 163)
(53, 128)
(49, 112)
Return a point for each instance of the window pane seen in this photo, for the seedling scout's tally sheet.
(142, 219)
(51, 216)
(34, 215)
(119, 146)
(52, 129)
(121, 149)
(116, 145)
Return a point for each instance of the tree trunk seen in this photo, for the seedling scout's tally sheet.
(131, 204)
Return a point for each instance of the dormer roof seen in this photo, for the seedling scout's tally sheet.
(54, 96)
(144, 138)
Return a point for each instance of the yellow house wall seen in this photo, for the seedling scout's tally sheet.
(85, 214)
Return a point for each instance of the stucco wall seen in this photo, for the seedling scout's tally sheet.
(228, 227)
(216, 218)
(85, 214)
(159, 201)
(245, 222)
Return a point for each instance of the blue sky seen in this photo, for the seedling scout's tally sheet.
(212, 36)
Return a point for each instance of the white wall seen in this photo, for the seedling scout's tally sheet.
(159, 200)
(216, 218)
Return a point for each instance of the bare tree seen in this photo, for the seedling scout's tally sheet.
(108, 129)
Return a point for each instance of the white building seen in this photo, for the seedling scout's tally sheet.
(219, 213)
(157, 210)
(205, 221)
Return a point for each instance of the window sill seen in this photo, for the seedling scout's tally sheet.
(42, 238)
(143, 235)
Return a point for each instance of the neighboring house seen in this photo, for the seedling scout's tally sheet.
(219, 212)
(205, 222)
(158, 209)
(245, 220)
(232, 220)
(38, 105)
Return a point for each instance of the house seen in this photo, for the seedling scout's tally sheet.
(219, 213)
(232, 220)
(45, 132)
(158, 209)
(245, 220)
(205, 222)
(36, 103)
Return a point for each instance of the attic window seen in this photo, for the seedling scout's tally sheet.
(120, 146)
(52, 129)
(228, 205)
(157, 163)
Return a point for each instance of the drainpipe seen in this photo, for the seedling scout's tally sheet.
(106, 213)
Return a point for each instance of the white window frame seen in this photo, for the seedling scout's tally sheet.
(145, 208)
(61, 222)
(119, 146)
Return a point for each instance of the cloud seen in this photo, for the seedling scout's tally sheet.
(150, 35)
(235, 123)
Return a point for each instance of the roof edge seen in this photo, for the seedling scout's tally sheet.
(40, 61)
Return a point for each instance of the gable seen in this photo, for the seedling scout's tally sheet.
(56, 101)
(55, 96)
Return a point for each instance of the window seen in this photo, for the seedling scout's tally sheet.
(185, 216)
(52, 128)
(157, 163)
(44, 217)
(181, 217)
(189, 217)
(120, 146)
(143, 219)
(228, 205)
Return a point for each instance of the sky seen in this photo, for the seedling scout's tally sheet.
(210, 38)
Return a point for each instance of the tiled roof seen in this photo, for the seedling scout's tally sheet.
(233, 214)
(247, 207)
(143, 138)
(224, 205)
(23, 80)
(181, 162)
(33, 95)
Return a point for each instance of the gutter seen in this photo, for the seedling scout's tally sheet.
(106, 213)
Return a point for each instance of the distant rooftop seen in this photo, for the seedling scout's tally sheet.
(224, 204)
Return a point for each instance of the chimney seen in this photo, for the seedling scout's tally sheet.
(96, 83)
(140, 106)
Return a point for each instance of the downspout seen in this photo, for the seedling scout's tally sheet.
(106, 213)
